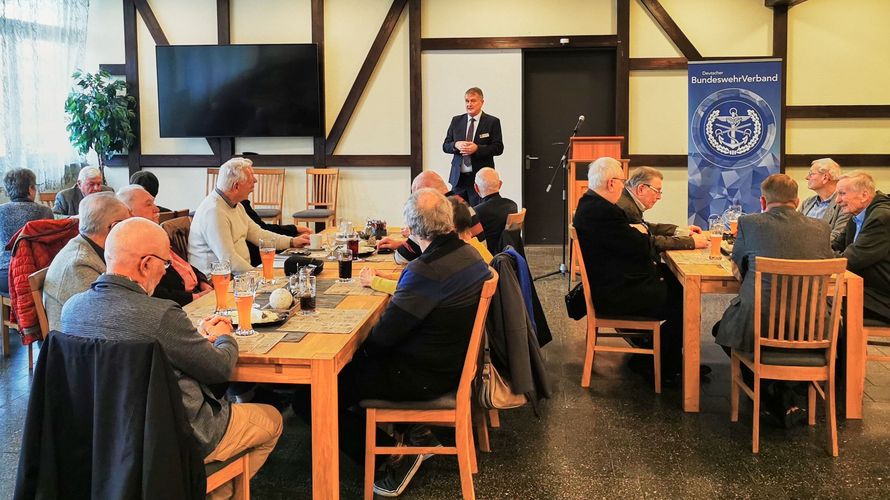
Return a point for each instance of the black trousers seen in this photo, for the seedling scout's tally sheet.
(465, 189)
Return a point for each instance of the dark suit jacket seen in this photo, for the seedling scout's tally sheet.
(869, 255)
(767, 235)
(662, 234)
(285, 229)
(488, 137)
(621, 262)
(492, 214)
(833, 215)
(68, 200)
(172, 287)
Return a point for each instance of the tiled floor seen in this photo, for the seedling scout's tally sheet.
(616, 439)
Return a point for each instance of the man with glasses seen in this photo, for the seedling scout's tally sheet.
(822, 178)
(119, 306)
(82, 259)
(641, 192)
(622, 263)
(89, 181)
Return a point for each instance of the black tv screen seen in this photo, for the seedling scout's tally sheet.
(238, 90)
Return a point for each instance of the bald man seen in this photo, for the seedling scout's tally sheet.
(82, 259)
(494, 208)
(121, 308)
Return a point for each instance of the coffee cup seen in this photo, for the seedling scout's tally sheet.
(315, 241)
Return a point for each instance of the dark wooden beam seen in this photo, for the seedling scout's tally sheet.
(223, 147)
(369, 160)
(415, 84)
(779, 3)
(780, 49)
(622, 74)
(283, 160)
(658, 63)
(671, 29)
(179, 161)
(658, 161)
(171, 161)
(319, 143)
(154, 27)
(840, 111)
(131, 73)
(845, 160)
(518, 42)
(114, 69)
(364, 74)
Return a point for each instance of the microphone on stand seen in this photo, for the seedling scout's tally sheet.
(563, 159)
(580, 121)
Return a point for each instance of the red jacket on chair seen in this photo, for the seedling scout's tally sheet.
(33, 248)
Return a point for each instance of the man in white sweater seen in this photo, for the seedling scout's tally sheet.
(221, 228)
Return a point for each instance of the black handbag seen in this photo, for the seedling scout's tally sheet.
(295, 262)
(576, 304)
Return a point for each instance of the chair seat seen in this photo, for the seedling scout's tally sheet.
(626, 318)
(265, 213)
(874, 323)
(216, 466)
(787, 357)
(314, 213)
(444, 402)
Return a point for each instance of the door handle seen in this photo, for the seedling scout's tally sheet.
(528, 161)
(529, 157)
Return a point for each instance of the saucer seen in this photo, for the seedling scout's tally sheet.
(319, 249)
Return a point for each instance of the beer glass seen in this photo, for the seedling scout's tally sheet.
(267, 255)
(245, 290)
(220, 276)
(716, 226)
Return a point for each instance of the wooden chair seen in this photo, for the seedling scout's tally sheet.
(515, 222)
(36, 280)
(170, 215)
(178, 231)
(874, 328)
(6, 308)
(651, 327)
(237, 468)
(798, 344)
(321, 196)
(48, 199)
(267, 197)
(513, 232)
(210, 181)
(450, 409)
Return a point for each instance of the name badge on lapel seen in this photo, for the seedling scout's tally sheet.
(483, 136)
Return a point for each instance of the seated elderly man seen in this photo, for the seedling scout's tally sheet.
(866, 241)
(89, 181)
(120, 308)
(221, 229)
(82, 259)
(625, 276)
(822, 178)
(494, 208)
(416, 351)
(641, 192)
(182, 283)
(766, 235)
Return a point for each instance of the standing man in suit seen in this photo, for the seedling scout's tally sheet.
(641, 192)
(474, 139)
(822, 178)
(780, 232)
(622, 264)
(866, 241)
(494, 208)
(89, 181)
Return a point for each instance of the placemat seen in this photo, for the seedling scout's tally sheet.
(353, 287)
(261, 343)
(326, 321)
(701, 257)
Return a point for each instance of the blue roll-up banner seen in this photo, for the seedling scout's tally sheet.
(734, 133)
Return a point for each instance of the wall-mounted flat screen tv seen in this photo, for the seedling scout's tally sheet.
(238, 90)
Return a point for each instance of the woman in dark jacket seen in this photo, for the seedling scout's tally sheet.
(21, 187)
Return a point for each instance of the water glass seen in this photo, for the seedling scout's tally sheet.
(220, 276)
(344, 258)
(245, 291)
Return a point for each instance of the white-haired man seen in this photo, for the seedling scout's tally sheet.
(866, 240)
(622, 264)
(642, 191)
(82, 259)
(221, 228)
(822, 178)
(494, 208)
(89, 181)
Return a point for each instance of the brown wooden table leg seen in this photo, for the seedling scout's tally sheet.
(325, 434)
(856, 348)
(691, 342)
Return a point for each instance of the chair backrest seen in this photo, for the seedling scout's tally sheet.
(269, 190)
(178, 231)
(471, 361)
(798, 303)
(210, 183)
(164, 216)
(35, 280)
(515, 222)
(321, 187)
(47, 198)
(588, 299)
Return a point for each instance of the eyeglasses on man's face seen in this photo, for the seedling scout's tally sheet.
(656, 191)
(166, 262)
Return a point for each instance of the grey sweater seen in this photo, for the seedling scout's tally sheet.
(117, 308)
(13, 216)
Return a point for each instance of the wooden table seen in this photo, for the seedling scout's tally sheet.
(701, 277)
(315, 360)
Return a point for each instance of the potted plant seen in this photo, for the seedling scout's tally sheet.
(101, 115)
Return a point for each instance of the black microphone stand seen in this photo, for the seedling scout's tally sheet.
(563, 164)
